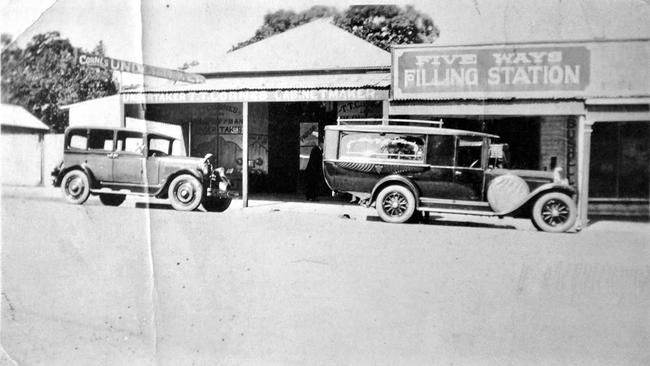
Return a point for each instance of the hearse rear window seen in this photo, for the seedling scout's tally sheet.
(381, 146)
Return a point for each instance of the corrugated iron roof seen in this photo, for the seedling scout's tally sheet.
(378, 80)
(17, 116)
(318, 45)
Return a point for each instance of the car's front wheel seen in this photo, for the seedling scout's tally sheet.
(554, 212)
(76, 187)
(395, 204)
(213, 204)
(112, 199)
(185, 192)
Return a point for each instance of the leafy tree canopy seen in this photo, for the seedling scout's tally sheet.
(45, 76)
(381, 25)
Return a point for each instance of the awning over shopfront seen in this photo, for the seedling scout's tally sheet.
(489, 108)
(280, 88)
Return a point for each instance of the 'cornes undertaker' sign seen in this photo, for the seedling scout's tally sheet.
(428, 73)
(135, 68)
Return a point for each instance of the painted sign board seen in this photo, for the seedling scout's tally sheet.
(505, 71)
(135, 68)
(254, 96)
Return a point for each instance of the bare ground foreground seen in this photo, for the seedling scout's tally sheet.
(287, 283)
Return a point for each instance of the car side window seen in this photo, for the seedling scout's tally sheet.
(130, 142)
(159, 145)
(100, 140)
(469, 152)
(440, 150)
(381, 146)
(77, 140)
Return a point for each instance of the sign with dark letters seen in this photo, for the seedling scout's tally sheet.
(433, 72)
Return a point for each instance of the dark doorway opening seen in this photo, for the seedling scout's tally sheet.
(285, 175)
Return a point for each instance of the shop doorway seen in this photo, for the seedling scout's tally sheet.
(294, 129)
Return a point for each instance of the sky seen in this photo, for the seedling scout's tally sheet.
(168, 33)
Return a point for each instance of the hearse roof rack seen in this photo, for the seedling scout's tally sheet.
(391, 121)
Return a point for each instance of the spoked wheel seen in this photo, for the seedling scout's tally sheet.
(554, 212)
(216, 204)
(185, 193)
(395, 204)
(76, 187)
(112, 199)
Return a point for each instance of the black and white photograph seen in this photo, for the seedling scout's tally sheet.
(293, 182)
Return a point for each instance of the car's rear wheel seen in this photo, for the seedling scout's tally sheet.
(213, 204)
(185, 193)
(76, 187)
(395, 204)
(554, 212)
(112, 199)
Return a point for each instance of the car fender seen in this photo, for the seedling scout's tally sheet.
(164, 186)
(399, 179)
(83, 167)
(532, 196)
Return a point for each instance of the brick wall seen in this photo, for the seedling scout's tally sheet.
(553, 142)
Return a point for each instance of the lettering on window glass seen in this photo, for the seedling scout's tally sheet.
(390, 146)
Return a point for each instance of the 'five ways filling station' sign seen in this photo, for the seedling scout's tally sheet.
(433, 73)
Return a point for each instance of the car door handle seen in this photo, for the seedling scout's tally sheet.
(458, 172)
(112, 155)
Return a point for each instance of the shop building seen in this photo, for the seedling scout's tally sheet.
(581, 106)
(277, 94)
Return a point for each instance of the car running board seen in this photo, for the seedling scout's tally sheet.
(459, 212)
(121, 191)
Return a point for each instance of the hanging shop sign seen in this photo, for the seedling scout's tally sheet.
(433, 73)
(311, 95)
(135, 68)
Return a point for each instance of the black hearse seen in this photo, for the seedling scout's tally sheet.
(404, 167)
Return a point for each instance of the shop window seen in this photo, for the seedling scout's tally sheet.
(620, 152)
(100, 140)
(381, 146)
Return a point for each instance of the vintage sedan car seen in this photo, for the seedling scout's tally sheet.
(115, 162)
(405, 170)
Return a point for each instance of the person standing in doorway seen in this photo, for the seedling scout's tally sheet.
(314, 173)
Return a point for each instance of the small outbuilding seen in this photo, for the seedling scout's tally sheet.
(22, 158)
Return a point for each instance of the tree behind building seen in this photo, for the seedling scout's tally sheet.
(381, 25)
(45, 76)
